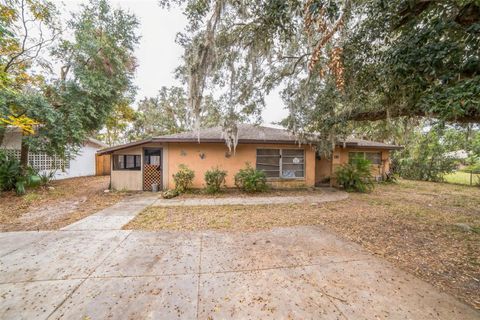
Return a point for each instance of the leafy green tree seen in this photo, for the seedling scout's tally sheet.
(168, 113)
(97, 69)
(424, 158)
(339, 61)
(27, 29)
(118, 124)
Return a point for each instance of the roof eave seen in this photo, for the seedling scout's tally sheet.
(189, 140)
(206, 140)
(356, 145)
(123, 146)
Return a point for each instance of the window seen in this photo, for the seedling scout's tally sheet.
(353, 156)
(268, 160)
(153, 157)
(126, 162)
(373, 157)
(281, 163)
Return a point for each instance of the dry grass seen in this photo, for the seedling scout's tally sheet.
(43, 209)
(234, 192)
(412, 224)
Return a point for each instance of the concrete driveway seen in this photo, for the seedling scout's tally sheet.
(286, 273)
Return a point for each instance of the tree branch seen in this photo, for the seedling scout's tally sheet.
(472, 117)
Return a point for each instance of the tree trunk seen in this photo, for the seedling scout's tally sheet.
(2, 133)
(24, 155)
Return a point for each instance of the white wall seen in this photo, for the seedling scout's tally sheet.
(82, 165)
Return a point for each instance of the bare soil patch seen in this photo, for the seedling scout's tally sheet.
(429, 229)
(47, 209)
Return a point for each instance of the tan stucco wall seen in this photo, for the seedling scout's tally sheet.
(323, 169)
(189, 154)
(340, 156)
(175, 154)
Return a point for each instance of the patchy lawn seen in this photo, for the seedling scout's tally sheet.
(461, 177)
(65, 202)
(429, 229)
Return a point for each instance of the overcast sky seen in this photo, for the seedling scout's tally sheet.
(158, 54)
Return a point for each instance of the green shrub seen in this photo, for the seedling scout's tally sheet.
(424, 158)
(10, 173)
(355, 176)
(214, 180)
(251, 180)
(46, 177)
(12, 176)
(183, 178)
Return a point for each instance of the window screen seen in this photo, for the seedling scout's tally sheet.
(284, 163)
(352, 156)
(268, 160)
(126, 162)
(293, 162)
(374, 157)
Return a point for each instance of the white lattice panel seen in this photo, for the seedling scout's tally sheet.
(41, 161)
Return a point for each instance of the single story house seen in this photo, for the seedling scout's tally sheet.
(137, 165)
(83, 164)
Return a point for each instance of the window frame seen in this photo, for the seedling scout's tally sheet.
(280, 164)
(135, 158)
(364, 156)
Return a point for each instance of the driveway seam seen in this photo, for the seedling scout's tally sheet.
(88, 275)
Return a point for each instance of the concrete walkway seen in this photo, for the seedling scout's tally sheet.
(93, 270)
(294, 273)
(116, 216)
(325, 195)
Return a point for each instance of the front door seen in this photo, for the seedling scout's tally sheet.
(152, 169)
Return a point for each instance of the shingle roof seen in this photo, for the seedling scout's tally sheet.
(247, 133)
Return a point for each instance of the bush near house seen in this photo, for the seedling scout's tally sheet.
(12, 177)
(183, 178)
(251, 180)
(10, 172)
(356, 176)
(214, 180)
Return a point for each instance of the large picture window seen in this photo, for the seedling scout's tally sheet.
(373, 157)
(281, 163)
(126, 162)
